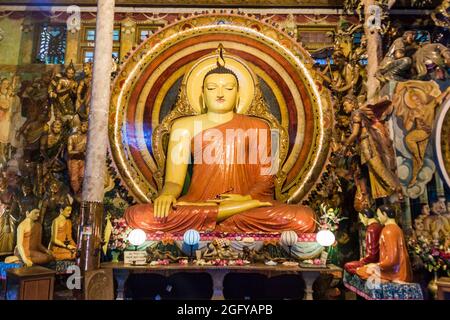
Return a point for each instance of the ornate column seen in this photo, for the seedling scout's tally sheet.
(128, 30)
(93, 184)
(373, 50)
(73, 38)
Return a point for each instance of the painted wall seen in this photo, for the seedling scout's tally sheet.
(10, 45)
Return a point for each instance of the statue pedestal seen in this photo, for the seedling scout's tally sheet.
(385, 291)
(122, 271)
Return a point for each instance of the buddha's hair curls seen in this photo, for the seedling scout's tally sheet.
(221, 70)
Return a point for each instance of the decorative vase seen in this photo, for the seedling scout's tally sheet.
(115, 256)
(432, 286)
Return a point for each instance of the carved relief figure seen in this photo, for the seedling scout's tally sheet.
(66, 93)
(415, 103)
(375, 148)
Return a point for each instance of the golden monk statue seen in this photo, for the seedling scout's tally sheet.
(29, 248)
(394, 264)
(232, 182)
(62, 245)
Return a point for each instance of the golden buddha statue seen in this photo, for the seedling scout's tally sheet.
(232, 182)
(62, 245)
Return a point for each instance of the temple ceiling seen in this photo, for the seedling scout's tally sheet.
(248, 3)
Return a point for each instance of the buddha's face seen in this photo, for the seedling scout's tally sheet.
(220, 92)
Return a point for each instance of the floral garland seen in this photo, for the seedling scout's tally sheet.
(433, 253)
(119, 235)
(330, 218)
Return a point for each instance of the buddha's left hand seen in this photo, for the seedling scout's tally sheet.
(232, 197)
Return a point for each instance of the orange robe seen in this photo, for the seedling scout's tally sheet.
(394, 260)
(31, 241)
(233, 170)
(64, 233)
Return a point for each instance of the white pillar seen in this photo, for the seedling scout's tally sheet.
(91, 213)
(93, 184)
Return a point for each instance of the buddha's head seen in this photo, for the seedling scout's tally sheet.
(220, 90)
(33, 214)
(365, 215)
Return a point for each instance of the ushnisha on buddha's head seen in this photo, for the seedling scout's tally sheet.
(220, 89)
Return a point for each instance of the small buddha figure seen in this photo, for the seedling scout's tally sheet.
(373, 232)
(62, 244)
(394, 264)
(230, 190)
(29, 248)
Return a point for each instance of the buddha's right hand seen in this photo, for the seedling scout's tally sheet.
(162, 206)
(28, 263)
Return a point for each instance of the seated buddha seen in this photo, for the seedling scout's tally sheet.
(62, 245)
(232, 182)
(29, 248)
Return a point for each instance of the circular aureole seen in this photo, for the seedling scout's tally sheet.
(198, 71)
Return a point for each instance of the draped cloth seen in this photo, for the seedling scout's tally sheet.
(373, 233)
(229, 158)
(394, 260)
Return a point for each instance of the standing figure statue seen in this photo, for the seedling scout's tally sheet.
(66, 93)
(6, 219)
(84, 91)
(397, 62)
(25, 201)
(76, 149)
(375, 147)
(7, 101)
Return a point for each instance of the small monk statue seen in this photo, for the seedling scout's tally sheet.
(62, 245)
(228, 191)
(394, 262)
(29, 248)
(373, 232)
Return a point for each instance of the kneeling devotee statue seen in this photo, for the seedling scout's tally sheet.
(62, 245)
(373, 232)
(394, 264)
(29, 248)
(232, 187)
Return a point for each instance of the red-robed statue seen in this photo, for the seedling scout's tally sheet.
(373, 232)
